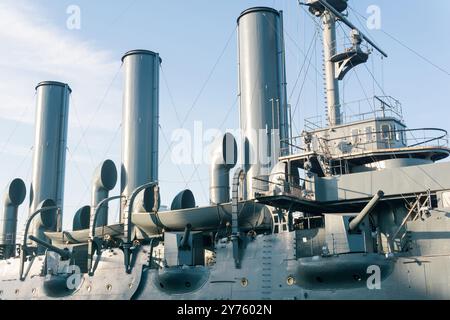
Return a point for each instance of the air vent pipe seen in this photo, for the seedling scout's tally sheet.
(105, 179)
(224, 158)
(13, 198)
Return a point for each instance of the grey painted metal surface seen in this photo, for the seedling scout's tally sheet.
(211, 218)
(13, 198)
(105, 179)
(393, 181)
(279, 277)
(332, 83)
(184, 200)
(49, 155)
(82, 218)
(224, 158)
(140, 120)
(261, 90)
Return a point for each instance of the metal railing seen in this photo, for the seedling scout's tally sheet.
(395, 138)
(288, 185)
(360, 110)
(434, 137)
(387, 139)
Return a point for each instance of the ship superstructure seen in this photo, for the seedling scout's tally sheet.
(356, 208)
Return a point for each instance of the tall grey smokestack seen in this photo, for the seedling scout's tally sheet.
(262, 90)
(140, 120)
(49, 158)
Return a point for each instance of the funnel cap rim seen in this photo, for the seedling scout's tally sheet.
(141, 51)
(53, 83)
(256, 9)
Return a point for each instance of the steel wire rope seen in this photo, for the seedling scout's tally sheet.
(443, 70)
(392, 152)
(182, 123)
(14, 130)
(98, 108)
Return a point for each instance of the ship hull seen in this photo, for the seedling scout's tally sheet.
(269, 271)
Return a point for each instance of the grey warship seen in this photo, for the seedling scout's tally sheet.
(358, 208)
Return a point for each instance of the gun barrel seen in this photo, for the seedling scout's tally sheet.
(65, 254)
(354, 224)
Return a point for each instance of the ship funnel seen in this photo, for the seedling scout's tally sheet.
(13, 198)
(140, 120)
(224, 158)
(262, 90)
(49, 157)
(105, 179)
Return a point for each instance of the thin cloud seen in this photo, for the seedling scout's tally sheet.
(32, 50)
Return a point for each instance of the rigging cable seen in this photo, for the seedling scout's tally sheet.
(14, 130)
(100, 105)
(300, 49)
(86, 191)
(302, 87)
(408, 48)
(359, 80)
(182, 123)
(83, 138)
(373, 159)
(202, 89)
(313, 41)
(85, 130)
(376, 82)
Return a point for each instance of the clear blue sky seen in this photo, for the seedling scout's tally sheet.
(190, 36)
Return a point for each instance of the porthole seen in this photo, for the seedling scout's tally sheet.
(244, 282)
(108, 287)
(357, 277)
(290, 281)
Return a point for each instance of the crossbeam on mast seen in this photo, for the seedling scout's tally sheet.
(351, 25)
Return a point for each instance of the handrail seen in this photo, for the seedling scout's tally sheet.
(379, 106)
(127, 245)
(24, 248)
(133, 196)
(407, 138)
(96, 211)
(444, 135)
(92, 237)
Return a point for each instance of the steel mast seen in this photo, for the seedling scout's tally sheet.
(337, 65)
(331, 82)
